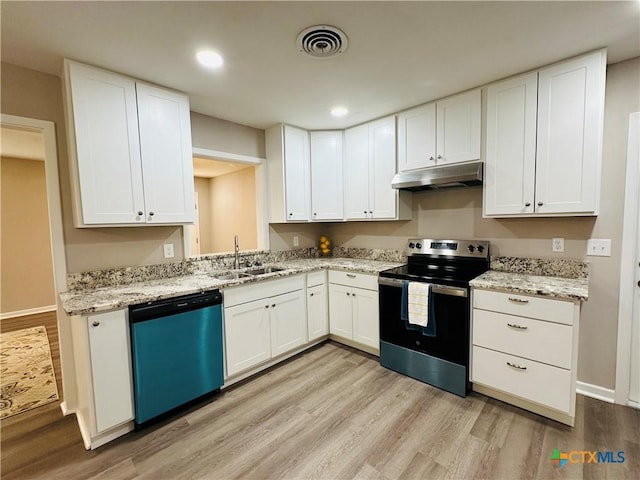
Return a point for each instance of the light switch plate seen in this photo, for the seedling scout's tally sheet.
(168, 250)
(599, 247)
(557, 245)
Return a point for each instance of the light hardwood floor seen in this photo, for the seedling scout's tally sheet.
(333, 412)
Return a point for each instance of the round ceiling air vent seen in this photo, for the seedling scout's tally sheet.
(322, 41)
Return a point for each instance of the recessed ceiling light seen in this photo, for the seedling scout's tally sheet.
(210, 59)
(339, 111)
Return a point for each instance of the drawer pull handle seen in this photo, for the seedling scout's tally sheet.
(515, 365)
(519, 327)
(351, 275)
(518, 300)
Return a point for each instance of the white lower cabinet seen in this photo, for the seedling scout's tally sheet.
(103, 375)
(262, 321)
(317, 305)
(525, 351)
(353, 310)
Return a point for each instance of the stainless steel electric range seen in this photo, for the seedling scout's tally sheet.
(438, 355)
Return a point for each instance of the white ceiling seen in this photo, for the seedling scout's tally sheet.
(207, 168)
(400, 53)
(23, 144)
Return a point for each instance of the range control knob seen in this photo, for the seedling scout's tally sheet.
(412, 245)
(418, 245)
(480, 248)
(471, 248)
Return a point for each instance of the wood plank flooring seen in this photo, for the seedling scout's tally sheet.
(333, 412)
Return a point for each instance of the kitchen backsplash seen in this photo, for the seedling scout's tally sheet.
(217, 262)
(548, 267)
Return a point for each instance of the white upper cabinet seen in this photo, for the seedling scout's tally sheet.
(370, 164)
(544, 140)
(440, 133)
(130, 150)
(288, 164)
(326, 175)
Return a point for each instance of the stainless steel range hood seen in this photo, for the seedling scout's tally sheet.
(459, 175)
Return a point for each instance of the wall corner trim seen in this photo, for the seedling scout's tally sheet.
(595, 391)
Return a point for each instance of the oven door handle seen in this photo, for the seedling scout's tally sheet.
(435, 288)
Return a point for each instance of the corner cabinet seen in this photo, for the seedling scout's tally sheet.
(317, 305)
(544, 140)
(525, 351)
(103, 376)
(129, 148)
(440, 133)
(369, 167)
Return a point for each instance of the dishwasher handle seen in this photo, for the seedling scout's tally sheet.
(173, 306)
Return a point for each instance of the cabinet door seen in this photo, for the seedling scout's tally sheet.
(458, 127)
(417, 138)
(317, 311)
(383, 199)
(288, 322)
(296, 174)
(326, 176)
(108, 150)
(340, 311)
(570, 126)
(110, 368)
(510, 163)
(167, 157)
(366, 328)
(247, 335)
(356, 172)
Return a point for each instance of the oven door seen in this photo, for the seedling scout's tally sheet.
(450, 312)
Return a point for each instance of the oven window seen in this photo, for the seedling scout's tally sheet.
(451, 315)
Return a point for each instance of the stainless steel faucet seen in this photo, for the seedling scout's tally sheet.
(236, 249)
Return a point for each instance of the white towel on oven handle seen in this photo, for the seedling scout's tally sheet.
(418, 303)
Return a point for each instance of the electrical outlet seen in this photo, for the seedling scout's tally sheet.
(168, 250)
(557, 245)
(296, 241)
(599, 247)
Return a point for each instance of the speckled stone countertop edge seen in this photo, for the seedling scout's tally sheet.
(116, 297)
(574, 289)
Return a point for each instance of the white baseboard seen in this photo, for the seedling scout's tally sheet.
(30, 311)
(65, 409)
(595, 391)
(632, 404)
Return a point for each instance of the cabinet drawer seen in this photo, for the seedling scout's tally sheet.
(255, 291)
(351, 279)
(316, 278)
(536, 382)
(552, 310)
(545, 342)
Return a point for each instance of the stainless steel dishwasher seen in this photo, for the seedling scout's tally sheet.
(176, 347)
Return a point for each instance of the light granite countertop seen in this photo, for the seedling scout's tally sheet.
(548, 286)
(80, 302)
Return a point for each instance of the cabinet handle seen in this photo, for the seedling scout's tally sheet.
(351, 275)
(348, 294)
(370, 212)
(95, 324)
(432, 159)
(311, 294)
(353, 294)
(140, 213)
(273, 305)
(518, 300)
(519, 327)
(528, 204)
(266, 306)
(439, 157)
(540, 204)
(151, 214)
(314, 214)
(291, 214)
(515, 365)
(365, 212)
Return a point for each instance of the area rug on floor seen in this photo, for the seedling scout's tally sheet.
(26, 371)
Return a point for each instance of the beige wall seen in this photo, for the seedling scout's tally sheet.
(26, 267)
(233, 211)
(203, 189)
(217, 134)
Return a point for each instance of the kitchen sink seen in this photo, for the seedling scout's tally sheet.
(264, 270)
(233, 276)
